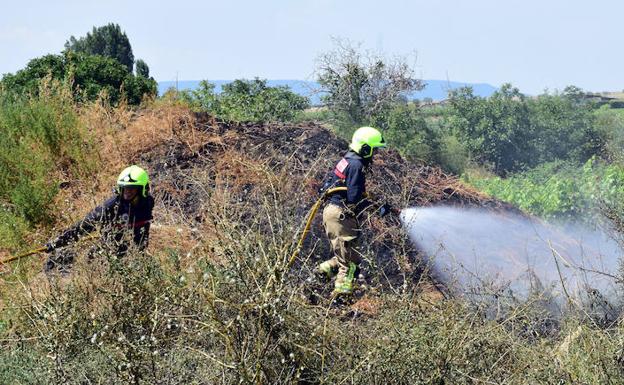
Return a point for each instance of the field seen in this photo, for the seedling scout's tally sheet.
(215, 298)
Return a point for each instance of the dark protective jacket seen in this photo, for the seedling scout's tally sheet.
(349, 172)
(115, 217)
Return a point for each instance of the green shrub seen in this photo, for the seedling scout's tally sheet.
(453, 156)
(405, 129)
(247, 101)
(108, 40)
(13, 228)
(559, 190)
(610, 122)
(89, 76)
(513, 132)
(314, 114)
(41, 135)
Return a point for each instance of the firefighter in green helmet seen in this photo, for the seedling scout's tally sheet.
(340, 215)
(124, 216)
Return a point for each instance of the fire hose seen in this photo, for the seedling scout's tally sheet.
(26, 254)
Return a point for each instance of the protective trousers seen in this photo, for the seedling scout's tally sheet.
(342, 229)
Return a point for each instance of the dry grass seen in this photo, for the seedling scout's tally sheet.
(215, 300)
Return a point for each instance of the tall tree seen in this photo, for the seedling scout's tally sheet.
(108, 40)
(141, 68)
(513, 132)
(89, 75)
(497, 130)
(363, 85)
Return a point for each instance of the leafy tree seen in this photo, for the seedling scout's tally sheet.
(405, 128)
(452, 156)
(497, 130)
(142, 69)
(610, 122)
(565, 127)
(254, 100)
(136, 88)
(202, 98)
(360, 86)
(108, 40)
(89, 75)
(247, 100)
(511, 132)
(93, 74)
(27, 79)
(101, 61)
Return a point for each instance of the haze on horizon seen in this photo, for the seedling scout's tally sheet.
(533, 44)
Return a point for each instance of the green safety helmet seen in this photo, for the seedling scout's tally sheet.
(365, 139)
(133, 176)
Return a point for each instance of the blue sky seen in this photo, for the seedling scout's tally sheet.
(534, 44)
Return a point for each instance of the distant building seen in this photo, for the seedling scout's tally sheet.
(614, 99)
(433, 103)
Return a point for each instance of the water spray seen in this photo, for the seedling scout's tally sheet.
(485, 254)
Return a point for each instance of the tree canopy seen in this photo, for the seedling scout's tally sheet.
(108, 40)
(89, 75)
(361, 85)
(101, 61)
(512, 132)
(142, 69)
(247, 100)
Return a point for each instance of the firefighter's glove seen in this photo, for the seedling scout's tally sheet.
(50, 246)
(385, 209)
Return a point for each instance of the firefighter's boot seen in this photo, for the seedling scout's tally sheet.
(345, 281)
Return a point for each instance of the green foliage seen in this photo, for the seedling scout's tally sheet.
(236, 312)
(95, 74)
(511, 132)
(564, 128)
(610, 123)
(253, 100)
(137, 88)
(99, 63)
(13, 227)
(496, 130)
(405, 128)
(89, 75)
(247, 101)
(39, 134)
(142, 68)
(28, 79)
(315, 114)
(557, 190)
(108, 40)
(359, 86)
(453, 155)
(203, 98)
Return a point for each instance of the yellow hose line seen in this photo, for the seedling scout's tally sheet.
(308, 224)
(20, 256)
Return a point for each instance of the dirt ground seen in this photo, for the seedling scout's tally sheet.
(190, 155)
(204, 154)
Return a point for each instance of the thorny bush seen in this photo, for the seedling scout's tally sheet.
(214, 300)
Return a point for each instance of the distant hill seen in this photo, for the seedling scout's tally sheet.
(435, 89)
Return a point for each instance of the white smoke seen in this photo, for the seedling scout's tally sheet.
(482, 253)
